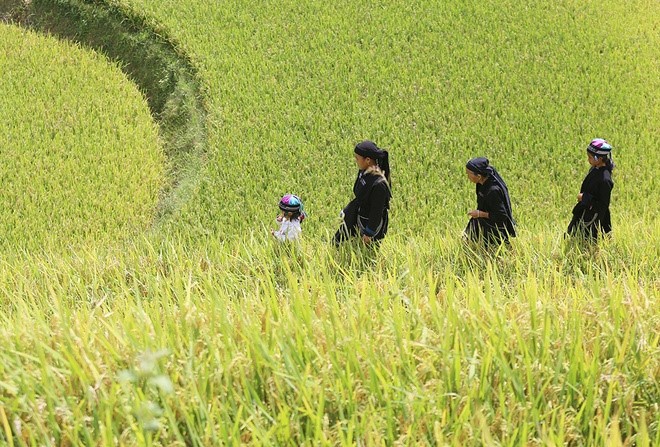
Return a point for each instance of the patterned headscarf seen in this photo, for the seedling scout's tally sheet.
(291, 203)
(601, 148)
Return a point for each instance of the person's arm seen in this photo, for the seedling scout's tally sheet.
(478, 214)
(280, 234)
(288, 230)
(377, 202)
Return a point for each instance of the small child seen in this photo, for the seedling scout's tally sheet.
(290, 218)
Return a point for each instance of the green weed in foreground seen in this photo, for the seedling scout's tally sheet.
(309, 345)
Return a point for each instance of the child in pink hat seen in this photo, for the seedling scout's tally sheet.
(291, 216)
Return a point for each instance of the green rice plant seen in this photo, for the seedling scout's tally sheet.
(80, 161)
(298, 349)
(424, 340)
(435, 84)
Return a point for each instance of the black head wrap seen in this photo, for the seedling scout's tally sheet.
(481, 166)
(369, 149)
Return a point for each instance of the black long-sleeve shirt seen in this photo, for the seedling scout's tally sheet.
(594, 208)
(367, 212)
(490, 198)
(499, 224)
(372, 212)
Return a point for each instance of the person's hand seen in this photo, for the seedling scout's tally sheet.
(366, 239)
(475, 214)
(580, 197)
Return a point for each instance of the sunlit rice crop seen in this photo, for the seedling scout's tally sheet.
(205, 331)
(80, 161)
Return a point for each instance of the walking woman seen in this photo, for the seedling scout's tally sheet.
(492, 221)
(367, 214)
(591, 213)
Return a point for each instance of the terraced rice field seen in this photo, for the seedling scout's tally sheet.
(80, 162)
(125, 326)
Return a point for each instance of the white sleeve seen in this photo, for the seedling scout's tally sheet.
(280, 233)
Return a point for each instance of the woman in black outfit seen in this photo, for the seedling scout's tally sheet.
(367, 213)
(591, 214)
(492, 222)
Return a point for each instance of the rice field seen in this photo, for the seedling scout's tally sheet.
(200, 330)
(80, 161)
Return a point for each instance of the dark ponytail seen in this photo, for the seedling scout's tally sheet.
(384, 165)
(369, 149)
(609, 164)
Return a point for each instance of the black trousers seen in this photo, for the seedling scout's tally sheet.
(584, 230)
(479, 230)
(350, 228)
